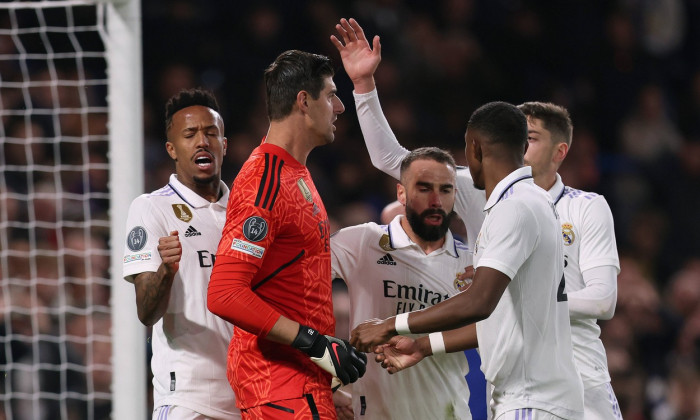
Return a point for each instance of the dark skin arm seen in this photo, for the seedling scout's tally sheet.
(153, 289)
(475, 304)
(403, 352)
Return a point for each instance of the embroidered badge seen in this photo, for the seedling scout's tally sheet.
(305, 191)
(567, 231)
(182, 212)
(461, 284)
(136, 239)
(385, 243)
(255, 228)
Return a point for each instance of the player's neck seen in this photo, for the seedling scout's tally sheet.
(545, 180)
(291, 137)
(426, 246)
(497, 171)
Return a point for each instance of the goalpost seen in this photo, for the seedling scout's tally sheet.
(71, 161)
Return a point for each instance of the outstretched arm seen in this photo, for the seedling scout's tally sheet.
(360, 62)
(359, 59)
(472, 305)
(403, 352)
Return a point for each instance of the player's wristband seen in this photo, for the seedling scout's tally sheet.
(437, 343)
(401, 324)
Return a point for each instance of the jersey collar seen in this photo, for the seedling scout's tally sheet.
(398, 238)
(193, 199)
(520, 174)
(557, 190)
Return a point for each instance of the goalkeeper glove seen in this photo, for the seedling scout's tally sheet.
(332, 354)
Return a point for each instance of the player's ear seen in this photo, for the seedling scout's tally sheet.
(476, 148)
(561, 151)
(170, 148)
(401, 193)
(302, 100)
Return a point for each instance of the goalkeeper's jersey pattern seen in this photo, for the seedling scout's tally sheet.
(276, 221)
(388, 274)
(588, 236)
(189, 343)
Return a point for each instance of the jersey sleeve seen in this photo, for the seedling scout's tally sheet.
(346, 245)
(254, 217)
(384, 149)
(598, 298)
(255, 214)
(512, 235)
(143, 229)
(598, 246)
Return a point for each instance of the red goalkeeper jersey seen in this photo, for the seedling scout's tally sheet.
(273, 258)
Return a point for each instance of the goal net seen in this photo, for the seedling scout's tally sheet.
(59, 222)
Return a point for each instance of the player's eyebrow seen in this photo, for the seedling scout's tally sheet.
(430, 185)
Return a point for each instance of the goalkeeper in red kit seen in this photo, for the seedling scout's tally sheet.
(272, 276)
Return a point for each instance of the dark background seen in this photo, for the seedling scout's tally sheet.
(628, 71)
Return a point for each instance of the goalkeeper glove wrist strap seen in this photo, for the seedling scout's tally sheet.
(306, 341)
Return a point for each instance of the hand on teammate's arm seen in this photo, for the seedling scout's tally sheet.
(153, 289)
(359, 59)
(475, 304)
(403, 352)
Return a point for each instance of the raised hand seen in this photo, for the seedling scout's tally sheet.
(170, 252)
(359, 59)
(399, 353)
(371, 333)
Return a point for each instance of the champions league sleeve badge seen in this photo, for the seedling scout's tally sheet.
(567, 231)
(255, 228)
(136, 239)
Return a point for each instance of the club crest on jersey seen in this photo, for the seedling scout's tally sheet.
(136, 239)
(385, 243)
(567, 231)
(461, 284)
(305, 191)
(255, 228)
(182, 212)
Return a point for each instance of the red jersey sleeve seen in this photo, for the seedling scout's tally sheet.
(252, 221)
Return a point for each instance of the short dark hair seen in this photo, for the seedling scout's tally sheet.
(554, 118)
(186, 98)
(291, 72)
(427, 153)
(501, 123)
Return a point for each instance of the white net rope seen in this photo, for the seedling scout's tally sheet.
(55, 346)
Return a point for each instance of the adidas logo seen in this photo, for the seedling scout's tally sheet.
(386, 260)
(192, 232)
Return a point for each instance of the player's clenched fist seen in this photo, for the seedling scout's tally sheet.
(170, 251)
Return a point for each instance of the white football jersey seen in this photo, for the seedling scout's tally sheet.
(388, 274)
(189, 342)
(589, 241)
(526, 350)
